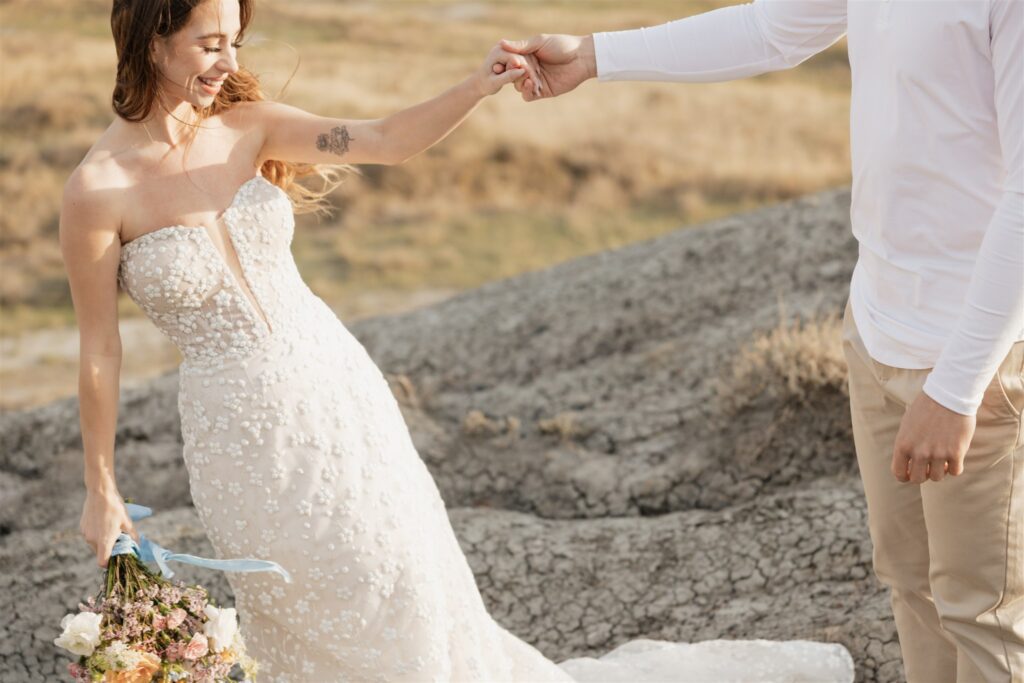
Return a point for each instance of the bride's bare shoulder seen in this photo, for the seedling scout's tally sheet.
(248, 112)
(96, 187)
(102, 166)
(249, 117)
(92, 199)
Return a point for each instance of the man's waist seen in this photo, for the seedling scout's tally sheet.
(916, 284)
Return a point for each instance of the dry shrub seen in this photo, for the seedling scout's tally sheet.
(518, 187)
(476, 423)
(791, 364)
(566, 426)
(404, 390)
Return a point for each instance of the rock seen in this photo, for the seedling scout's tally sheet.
(570, 419)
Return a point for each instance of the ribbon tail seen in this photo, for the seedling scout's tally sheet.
(233, 565)
(148, 551)
(153, 552)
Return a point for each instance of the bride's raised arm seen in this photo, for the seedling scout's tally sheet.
(294, 135)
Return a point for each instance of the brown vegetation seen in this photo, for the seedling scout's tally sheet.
(517, 188)
(788, 366)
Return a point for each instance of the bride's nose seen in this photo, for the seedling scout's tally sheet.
(229, 62)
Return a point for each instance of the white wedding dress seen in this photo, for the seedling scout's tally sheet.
(297, 452)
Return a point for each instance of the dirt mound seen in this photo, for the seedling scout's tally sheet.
(634, 443)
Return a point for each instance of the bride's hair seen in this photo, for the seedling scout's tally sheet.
(135, 24)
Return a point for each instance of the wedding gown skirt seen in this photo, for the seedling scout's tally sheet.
(296, 452)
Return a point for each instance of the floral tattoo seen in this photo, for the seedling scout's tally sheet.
(336, 141)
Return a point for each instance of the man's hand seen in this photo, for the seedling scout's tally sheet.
(932, 442)
(561, 63)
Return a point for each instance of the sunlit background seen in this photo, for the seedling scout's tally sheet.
(519, 187)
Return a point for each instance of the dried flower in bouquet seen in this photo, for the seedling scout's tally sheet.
(143, 628)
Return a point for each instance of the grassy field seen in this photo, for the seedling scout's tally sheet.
(520, 186)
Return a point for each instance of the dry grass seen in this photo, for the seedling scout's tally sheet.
(789, 365)
(566, 426)
(519, 187)
(477, 423)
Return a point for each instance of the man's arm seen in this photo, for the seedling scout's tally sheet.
(723, 44)
(720, 45)
(994, 311)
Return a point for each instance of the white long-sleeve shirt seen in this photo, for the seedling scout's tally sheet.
(936, 128)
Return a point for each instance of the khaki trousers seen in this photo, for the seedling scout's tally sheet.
(952, 551)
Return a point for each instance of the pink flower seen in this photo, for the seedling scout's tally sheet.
(78, 672)
(159, 622)
(176, 616)
(197, 647)
(175, 651)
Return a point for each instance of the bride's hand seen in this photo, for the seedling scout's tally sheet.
(501, 68)
(104, 517)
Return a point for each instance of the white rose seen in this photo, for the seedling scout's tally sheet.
(220, 627)
(81, 633)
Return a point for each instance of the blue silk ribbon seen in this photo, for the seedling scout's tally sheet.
(148, 551)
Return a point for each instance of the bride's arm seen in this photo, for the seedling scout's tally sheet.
(90, 246)
(294, 135)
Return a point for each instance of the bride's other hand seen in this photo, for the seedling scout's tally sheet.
(104, 517)
(501, 68)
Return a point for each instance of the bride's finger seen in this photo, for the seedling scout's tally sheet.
(509, 76)
(510, 60)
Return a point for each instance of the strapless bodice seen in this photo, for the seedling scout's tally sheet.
(182, 281)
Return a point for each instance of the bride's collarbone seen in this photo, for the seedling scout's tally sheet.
(212, 222)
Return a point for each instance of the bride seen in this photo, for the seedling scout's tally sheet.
(295, 449)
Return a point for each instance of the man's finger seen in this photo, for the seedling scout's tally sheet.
(532, 66)
(529, 92)
(918, 469)
(536, 85)
(937, 469)
(523, 47)
(956, 467)
(900, 466)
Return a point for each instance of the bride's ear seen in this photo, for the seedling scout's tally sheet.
(158, 51)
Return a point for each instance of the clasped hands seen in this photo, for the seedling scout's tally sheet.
(932, 440)
(543, 66)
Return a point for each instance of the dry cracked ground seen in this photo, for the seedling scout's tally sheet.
(599, 489)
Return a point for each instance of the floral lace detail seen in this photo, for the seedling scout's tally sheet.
(296, 451)
(181, 281)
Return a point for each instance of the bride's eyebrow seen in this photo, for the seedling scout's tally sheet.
(214, 35)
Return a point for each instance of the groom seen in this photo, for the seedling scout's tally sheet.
(934, 327)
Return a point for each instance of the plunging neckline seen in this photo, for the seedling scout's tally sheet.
(242, 284)
(217, 219)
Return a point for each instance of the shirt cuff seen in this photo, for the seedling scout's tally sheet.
(955, 403)
(601, 57)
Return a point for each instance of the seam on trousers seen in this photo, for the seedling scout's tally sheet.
(1015, 455)
(1002, 385)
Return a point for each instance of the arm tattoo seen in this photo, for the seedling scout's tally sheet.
(336, 141)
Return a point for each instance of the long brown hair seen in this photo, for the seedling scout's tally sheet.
(135, 24)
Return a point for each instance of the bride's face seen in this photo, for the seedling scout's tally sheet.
(203, 50)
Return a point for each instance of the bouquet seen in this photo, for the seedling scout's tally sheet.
(143, 628)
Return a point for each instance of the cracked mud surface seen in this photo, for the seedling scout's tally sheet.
(597, 489)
